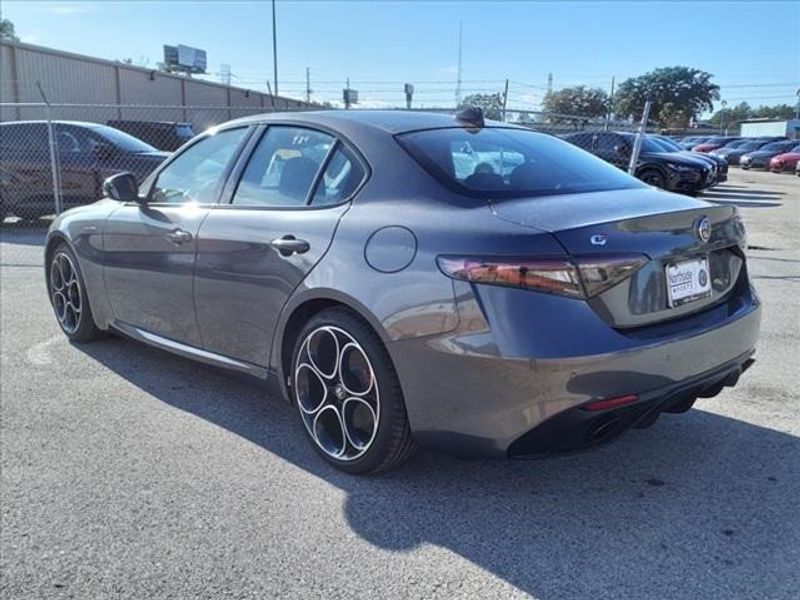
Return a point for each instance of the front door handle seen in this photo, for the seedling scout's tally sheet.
(288, 245)
(178, 237)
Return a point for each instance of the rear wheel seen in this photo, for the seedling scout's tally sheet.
(653, 177)
(348, 394)
(68, 296)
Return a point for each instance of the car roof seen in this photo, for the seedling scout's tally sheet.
(389, 121)
(43, 122)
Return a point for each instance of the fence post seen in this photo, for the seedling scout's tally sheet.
(53, 151)
(637, 145)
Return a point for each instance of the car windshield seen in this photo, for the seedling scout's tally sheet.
(751, 146)
(122, 140)
(777, 147)
(510, 163)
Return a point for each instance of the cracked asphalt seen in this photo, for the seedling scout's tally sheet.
(131, 473)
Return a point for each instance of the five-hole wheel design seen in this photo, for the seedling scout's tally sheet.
(65, 291)
(337, 393)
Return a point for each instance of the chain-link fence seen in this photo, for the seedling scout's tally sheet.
(56, 156)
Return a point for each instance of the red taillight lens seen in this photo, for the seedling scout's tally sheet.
(546, 275)
(610, 402)
(578, 278)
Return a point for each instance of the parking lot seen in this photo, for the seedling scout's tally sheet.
(131, 473)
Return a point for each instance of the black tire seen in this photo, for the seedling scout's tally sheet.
(67, 293)
(389, 441)
(653, 177)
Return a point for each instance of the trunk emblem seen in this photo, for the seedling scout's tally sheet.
(599, 239)
(702, 229)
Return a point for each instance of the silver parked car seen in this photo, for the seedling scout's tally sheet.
(417, 279)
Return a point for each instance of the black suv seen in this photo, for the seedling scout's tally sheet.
(669, 171)
(164, 135)
(87, 154)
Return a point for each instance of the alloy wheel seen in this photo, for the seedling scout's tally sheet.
(65, 292)
(337, 393)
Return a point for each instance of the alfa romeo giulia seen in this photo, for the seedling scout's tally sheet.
(410, 279)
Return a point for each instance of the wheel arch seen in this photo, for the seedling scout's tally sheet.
(298, 312)
(55, 239)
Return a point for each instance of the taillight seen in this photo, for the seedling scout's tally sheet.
(576, 278)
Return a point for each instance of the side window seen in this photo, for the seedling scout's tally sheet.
(283, 167)
(195, 174)
(340, 179)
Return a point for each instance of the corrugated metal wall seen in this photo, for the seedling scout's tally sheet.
(75, 79)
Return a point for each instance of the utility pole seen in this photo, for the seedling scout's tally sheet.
(347, 95)
(308, 86)
(274, 50)
(458, 76)
(549, 83)
(505, 101)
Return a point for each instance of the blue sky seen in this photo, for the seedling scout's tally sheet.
(753, 49)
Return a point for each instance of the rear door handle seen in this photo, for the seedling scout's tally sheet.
(288, 245)
(178, 237)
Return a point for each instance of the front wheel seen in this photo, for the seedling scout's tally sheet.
(348, 394)
(654, 178)
(68, 296)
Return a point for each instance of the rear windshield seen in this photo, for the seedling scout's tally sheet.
(510, 163)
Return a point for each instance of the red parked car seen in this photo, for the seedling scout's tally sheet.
(714, 142)
(785, 162)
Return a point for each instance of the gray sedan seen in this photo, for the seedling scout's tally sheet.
(410, 279)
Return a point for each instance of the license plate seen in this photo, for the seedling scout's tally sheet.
(687, 281)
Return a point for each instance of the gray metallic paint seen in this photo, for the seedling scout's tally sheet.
(479, 365)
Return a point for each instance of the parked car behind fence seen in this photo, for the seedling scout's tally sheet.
(86, 154)
(164, 135)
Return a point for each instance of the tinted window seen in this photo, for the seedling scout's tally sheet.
(195, 174)
(283, 167)
(512, 163)
(340, 179)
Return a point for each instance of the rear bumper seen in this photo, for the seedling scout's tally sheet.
(577, 429)
(480, 390)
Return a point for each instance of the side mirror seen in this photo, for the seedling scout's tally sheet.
(122, 188)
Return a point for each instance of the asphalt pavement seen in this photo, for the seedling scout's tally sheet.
(131, 473)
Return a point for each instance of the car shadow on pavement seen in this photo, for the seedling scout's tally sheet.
(698, 506)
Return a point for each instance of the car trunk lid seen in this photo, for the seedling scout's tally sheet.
(663, 227)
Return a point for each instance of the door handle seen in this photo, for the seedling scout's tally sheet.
(288, 245)
(178, 237)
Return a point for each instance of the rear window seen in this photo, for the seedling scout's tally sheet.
(510, 163)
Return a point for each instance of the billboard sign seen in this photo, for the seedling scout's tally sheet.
(185, 58)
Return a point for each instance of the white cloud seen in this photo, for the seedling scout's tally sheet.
(30, 38)
(71, 9)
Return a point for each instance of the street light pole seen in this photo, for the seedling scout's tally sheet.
(274, 50)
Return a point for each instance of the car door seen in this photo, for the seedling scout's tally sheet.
(254, 251)
(149, 248)
(26, 186)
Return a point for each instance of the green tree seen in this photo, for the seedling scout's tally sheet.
(492, 104)
(779, 112)
(689, 92)
(579, 100)
(731, 116)
(7, 31)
